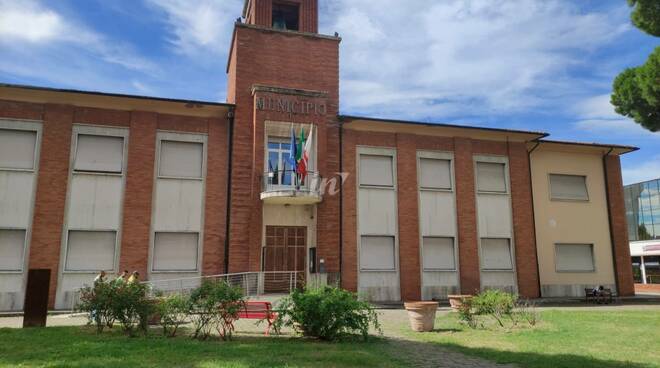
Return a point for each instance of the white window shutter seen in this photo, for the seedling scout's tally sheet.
(175, 252)
(181, 159)
(98, 153)
(377, 253)
(438, 253)
(496, 254)
(376, 170)
(575, 257)
(435, 173)
(17, 149)
(91, 250)
(491, 177)
(570, 187)
(12, 244)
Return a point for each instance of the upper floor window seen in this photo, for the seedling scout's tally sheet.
(180, 159)
(491, 177)
(98, 153)
(376, 170)
(285, 16)
(568, 187)
(280, 167)
(435, 173)
(17, 149)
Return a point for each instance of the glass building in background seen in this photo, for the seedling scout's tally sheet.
(643, 215)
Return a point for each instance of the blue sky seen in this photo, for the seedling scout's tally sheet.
(523, 64)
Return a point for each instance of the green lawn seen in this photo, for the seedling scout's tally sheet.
(580, 339)
(82, 347)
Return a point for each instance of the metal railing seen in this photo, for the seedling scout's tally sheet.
(274, 181)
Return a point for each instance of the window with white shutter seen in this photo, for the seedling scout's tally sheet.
(574, 257)
(491, 177)
(12, 245)
(99, 153)
(377, 253)
(17, 149)
(376, 170)
(175, 251)
(496, 254)
(568, 187)
(438, 253)
(435, 173)
(181, 159)
(91, 251)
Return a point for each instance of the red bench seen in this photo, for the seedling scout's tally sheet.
(260, 311)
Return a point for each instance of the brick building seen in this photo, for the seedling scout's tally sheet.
(396, 210)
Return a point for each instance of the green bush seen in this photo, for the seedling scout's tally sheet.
(131, 307)
(326, 313)
(96, 301)
(499, 306)
(173, 312)
(215, 304)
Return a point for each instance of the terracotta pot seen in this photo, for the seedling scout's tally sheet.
(421, 315)
(455, 301)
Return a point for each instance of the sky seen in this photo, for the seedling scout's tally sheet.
(544, 65)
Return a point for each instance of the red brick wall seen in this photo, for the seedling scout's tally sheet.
(466, 214)
(618, 226)
(138, 192)
(407, 192)
(523, 221)
(51, 192)
(286, 60)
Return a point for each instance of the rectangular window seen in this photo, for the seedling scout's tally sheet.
(496, 254)
(279, 166)
(438, 253)
(17, 149)
(435, 173)
(377, 253)
(175, 251)
(181, 159)
(285, 16)
(12, 244)
(568, 187)
(491, 177)
(91, 250)
(574, 258)
(376, 170)
(98, 153)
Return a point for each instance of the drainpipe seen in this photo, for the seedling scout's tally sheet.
(609, 218)
(531, 187)
(341, 198)
(230, 145)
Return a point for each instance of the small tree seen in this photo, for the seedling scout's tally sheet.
(131, 307)
(96, 301)
(173, 311)
(215, 304)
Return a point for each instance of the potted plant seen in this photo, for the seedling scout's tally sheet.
(456, 301)
(421, 315)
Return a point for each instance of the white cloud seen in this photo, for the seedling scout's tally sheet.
(597, 117)
(484, 56)
(200, 26)
(647, 170)
(27, 21)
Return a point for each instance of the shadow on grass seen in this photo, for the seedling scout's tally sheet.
(432, 352)
(83, 347)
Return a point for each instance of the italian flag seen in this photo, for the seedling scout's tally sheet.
(304, 152)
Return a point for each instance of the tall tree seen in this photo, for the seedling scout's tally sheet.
(636, 91)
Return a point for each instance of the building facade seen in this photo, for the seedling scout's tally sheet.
(643, 217)
(395, 210)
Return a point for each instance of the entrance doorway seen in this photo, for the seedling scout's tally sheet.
(284, 258)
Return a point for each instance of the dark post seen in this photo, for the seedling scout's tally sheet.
(35, 308)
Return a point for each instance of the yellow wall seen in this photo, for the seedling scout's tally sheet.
(570, 221)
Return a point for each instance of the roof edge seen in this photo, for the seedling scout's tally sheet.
(540, 135)
(119, 95)
(624, 148)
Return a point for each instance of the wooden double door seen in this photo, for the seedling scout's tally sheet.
(284, 258)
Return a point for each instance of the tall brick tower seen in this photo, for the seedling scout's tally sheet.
(282, 76)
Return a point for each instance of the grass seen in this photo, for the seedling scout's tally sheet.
(580, 339)
(82, 347)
